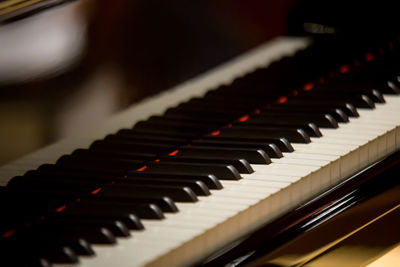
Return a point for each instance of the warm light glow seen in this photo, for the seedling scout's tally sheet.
(331, 75)
(60, 209)
(344, 69)
(308, 86)
(369, 56)
(321, 80)
(295, 93)
(282, 99)
(8, 233)
(216, 132)
(157, 160)
(244, 118)
(173, 153)
(97, 190)
(390, 258)
(356, 63)
(142, 168)
(257, 111)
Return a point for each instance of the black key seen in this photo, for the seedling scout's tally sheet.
(79, 245)
(256, 156)
(337, 113)
(118, 228)
(223, 117)
(321, 120)
(98, 164)
(87, 154)
(226, 114)
(293, 135)
(209, 104)
(95, 235)
(346, 106)
(374, 94)
(155, 134)
(281, 142)
(142, 210)
(177, 193)
(241, 165)
(202, 118)
(210, 180)
(359, 101)
(271, 149)
(175, 126)
(132, 147)
(35, 252)
(130, 220)
(79, 171)
(310, 128)
(222, 171)
(59, 254)
(391, 87)
(197, 186)
(136, 137)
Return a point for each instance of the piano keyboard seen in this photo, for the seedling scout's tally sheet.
(269, 183)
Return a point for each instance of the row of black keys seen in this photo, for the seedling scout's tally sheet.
(96, 194)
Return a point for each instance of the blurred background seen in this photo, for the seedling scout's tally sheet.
(76, 64)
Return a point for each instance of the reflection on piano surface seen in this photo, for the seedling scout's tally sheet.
(286, 155)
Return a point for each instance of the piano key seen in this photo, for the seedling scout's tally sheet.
(271, 149)
(337, 113)
(96, 235)
(359, 101)
(251, 155)
(293, 135)
(118, 228)
(142, 210)
(130, 220)
(310, 128)
(78, 245)
(173, 126)
(281, 142)
(223, 115)
(132, 147)
(209, 179)
(241, 165)
(27, 251)
(347, 107)
(177, 193)
(160, 135)
(88, 154)
(198, 187)
(132, 136)
(321, 120)
(98, 164)
(222, 171)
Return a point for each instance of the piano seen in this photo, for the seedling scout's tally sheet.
(285, 155)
